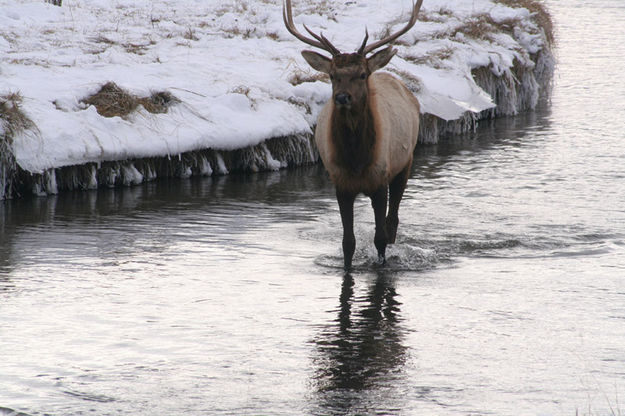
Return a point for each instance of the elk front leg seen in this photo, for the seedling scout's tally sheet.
(346, 207)
(379, 200)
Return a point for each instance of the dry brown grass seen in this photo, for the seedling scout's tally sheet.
(158, 102)
(438, 16)
(12, 117)
(273, 35)
(414, 84)
(322, 8)
(137, 48)
(435, 59)
(113, 101)
(189, 34)
(130, 47)
(103, 39)
(300, 103)
(483, 26)
(241, 89)
(245, 33)
(245, 90)
(480, 26)
(301, 76)
(387, 30)
(238, 7)
(542, 15)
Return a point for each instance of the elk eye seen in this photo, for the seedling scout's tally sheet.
(363, 76)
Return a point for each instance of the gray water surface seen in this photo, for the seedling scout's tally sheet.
(505, 294)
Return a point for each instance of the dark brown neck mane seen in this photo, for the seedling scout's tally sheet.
(353, 135)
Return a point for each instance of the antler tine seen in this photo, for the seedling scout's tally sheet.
(361, 50)
(391, 38)
(321, 42)
(324, 41)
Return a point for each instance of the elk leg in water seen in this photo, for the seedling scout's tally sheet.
(396, 192)
(346, 207)
(379, 200)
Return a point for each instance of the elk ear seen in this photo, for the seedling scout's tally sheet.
(317, 61)
(381, 58)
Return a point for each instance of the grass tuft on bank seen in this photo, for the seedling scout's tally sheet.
(12, 119)
(540, 12)
(113, 101)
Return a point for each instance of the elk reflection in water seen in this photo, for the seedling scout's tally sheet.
(360, 355)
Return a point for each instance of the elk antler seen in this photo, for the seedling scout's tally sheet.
(361, 50)
(321, 42)
(413, 19)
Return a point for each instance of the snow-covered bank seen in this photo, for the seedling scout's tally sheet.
(237, 78)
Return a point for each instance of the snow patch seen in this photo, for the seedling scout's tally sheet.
(231, 64)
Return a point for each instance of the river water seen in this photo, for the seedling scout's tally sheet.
(505, 294)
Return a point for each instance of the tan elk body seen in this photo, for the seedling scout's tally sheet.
(367, 132)
(395, 113)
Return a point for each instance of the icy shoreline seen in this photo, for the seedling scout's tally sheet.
(244, 98)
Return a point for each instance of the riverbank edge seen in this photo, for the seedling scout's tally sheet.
(516, 90)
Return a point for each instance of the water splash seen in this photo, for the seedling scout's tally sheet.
(400, 257)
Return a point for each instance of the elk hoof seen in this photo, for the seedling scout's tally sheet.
(381, 261)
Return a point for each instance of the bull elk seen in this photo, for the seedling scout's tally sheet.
(366, 133)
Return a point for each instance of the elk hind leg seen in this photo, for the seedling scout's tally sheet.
(396, 192)
(379, 201)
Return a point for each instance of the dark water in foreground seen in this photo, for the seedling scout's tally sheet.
(505, 294)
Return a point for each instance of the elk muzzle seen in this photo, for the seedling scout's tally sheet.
(342, 99)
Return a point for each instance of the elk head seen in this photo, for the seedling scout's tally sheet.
(348, 71)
